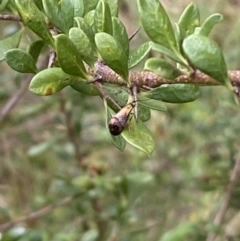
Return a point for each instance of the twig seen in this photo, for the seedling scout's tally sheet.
(52, 58)
(12, 102)
(71, 130)
(14, 99)
(219, 218)
(36, 214)
(152, 80)
(134, 34)
(105, 95)
(101, 224)
(9, 17)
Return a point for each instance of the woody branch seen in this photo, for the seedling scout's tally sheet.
(149, 79)
(152, 80)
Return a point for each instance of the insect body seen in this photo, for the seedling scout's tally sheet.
(118, 122)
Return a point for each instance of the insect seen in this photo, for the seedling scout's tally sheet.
(118, 122)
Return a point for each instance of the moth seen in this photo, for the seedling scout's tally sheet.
(118, 122)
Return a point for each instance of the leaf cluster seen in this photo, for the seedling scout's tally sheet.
(83, 33)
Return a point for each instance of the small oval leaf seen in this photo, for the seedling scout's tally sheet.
(209, 23)
(205, 55)
(89, 19)
(156, 23)
(69, 57)
(78, 7)
(112, 54)
(83, 45)
(175, 93)
(35, 48)
(140, 178)
(190, 19)
(113, 5)
(34, 19)
(169, 53)
(3, 5)
(120, 34)
(138, 135)
(137, 55)
(9, 43)
(84, 87)
(86, 29)
(162, 68)
(67, 12)
(20, 61)
(89, 5)
(53, 11)
(152, 104)
(144, 113)
(103, 18)
(50, 81)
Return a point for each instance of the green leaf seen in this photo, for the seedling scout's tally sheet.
(89, 18)
(10, 43)
(83, 45)
(137, 134)
(71, 9)
(84, 87)
(162, 68)
(53, 11)
(113, 5)
(3, 5)
(61, 13)
(205, 55)
(144, 113)
(175, 93)
(67, 10)
(103, 18)
(39, 4)
(156, 23)
(20, 61)
(152, 104)
(118, 141)
(33, 18)
(120, 95)
(169, 53)
(209, 23)
(69, 57)
(50, 81)
(120, 34)
(89, 5)
(90, 235)
(41, 148)
(189, 20)
(140, 177)
(35, 48)
(78, 7)
(86, 29)
(137, 55)
(112, 54)
(181, 232)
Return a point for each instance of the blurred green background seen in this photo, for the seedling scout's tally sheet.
(56, 148)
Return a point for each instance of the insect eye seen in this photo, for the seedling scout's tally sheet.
(115, 127)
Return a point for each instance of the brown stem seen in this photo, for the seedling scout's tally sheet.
(101, 224)
(71, 130)
(152, 80)
(9, 17)
(105, 95)
(219, 218)
(15, 98)
(36, 214)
